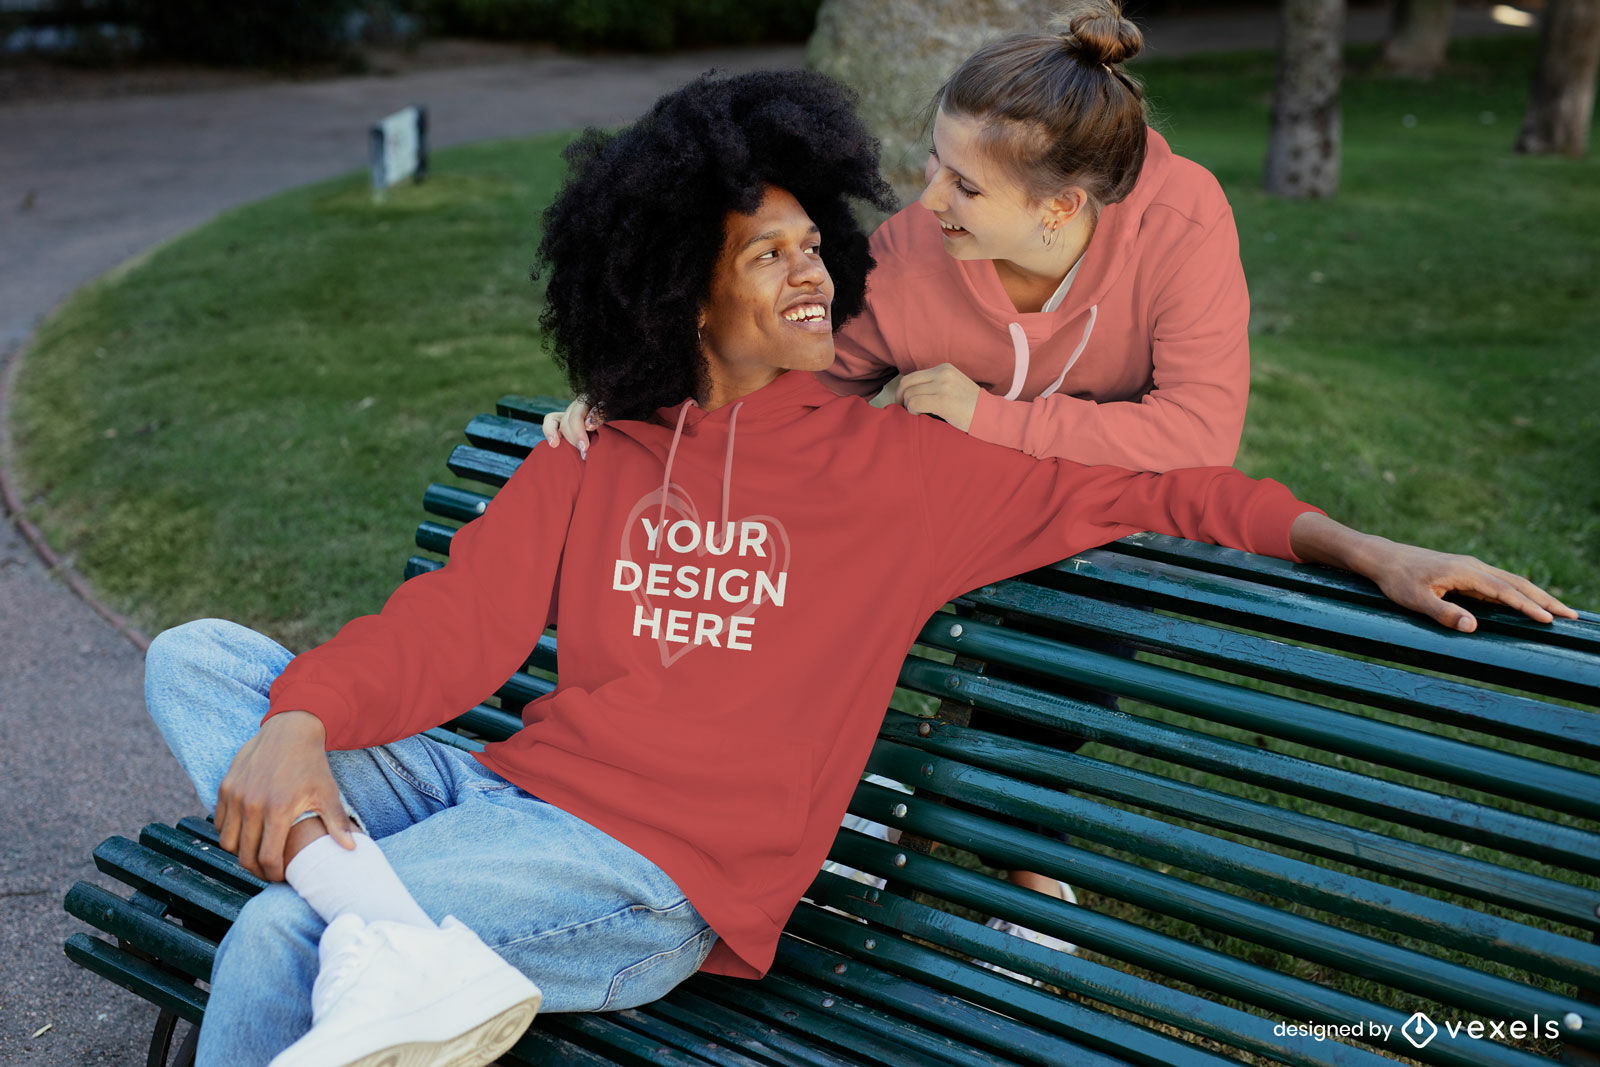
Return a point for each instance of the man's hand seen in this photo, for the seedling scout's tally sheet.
(575, 424)
(943, 391)
(1418, 578)
(277, 775)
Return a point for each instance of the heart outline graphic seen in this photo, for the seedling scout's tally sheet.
(680, 506)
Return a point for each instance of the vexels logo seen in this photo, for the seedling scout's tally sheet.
(1419, 1030)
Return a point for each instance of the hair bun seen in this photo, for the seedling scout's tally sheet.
(1096, 32)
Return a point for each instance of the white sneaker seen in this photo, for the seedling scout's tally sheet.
(410, 996)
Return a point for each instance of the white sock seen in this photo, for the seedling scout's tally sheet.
(337, 881)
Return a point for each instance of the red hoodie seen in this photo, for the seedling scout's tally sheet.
(1146, 363)
(736, 597)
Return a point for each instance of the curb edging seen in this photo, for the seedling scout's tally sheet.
(10, 363)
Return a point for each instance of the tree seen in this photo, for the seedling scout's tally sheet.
(1562, 102)
(1303, 150)
(896, 54)
(1419, 33)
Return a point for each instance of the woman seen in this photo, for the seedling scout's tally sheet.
(667, 805)
(1066, 285)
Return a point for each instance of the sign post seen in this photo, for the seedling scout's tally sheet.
(399, 149)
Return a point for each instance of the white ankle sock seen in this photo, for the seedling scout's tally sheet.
(336, 881)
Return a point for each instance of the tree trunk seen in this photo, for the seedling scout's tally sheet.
(1562, 102)
(1303, 151)
(1419, 33)
(896, 54)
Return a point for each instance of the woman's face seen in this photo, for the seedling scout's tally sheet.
(769, 308)
(984, 212)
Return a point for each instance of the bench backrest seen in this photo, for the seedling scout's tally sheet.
(1306, 807)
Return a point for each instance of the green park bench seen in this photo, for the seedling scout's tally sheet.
(1306, 807)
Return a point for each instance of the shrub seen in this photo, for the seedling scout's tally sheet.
(245, 32)
(653, 25)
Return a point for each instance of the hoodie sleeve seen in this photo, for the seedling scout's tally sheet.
(447, 639)
(993, 512)
(1193, 415)
(861, 361)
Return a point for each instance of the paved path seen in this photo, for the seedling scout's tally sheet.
(84, 185)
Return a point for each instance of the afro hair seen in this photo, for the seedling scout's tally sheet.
(631, 241)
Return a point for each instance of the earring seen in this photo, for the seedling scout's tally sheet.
(1049, 237)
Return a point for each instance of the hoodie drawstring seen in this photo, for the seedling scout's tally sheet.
(1019, 340)
(727, 472)
(666, 475)
(1019, 350)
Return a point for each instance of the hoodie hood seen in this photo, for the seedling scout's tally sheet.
(790, 396)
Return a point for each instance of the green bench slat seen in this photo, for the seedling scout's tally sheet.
(481, 465)
(199, 849)
(538, 1047)
(1084, 1031)
(1438, 922)
(528, 408)
(1218, 701)
(1079, 976)
(453, 739)
(434, 537)
(1369, 629)
(497, 433)
(168, 880)
(1356, 954)
(1344, 789)
(489, 723)
(602, 1034)
(1287, 996)
(756, 1037)
(181, 949)
(143, 979)
(1378, 685)
(1561, 901)
(654, 1027)
(808, 1017)
(851, 1027)
(449, 502)
(1582, 634)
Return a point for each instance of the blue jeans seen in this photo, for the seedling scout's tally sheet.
(594, 924)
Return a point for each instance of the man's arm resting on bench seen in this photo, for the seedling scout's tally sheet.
(1418, 578)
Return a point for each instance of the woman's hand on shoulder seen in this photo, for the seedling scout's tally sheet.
(574, 425)
(943, 391)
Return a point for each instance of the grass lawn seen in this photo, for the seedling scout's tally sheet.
(1425, 354)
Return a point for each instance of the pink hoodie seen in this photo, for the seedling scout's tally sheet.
(729, 638)
(1145, 365)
